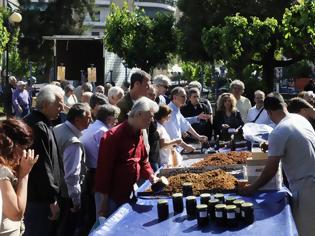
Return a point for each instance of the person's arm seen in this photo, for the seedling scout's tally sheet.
(200, 138)
(72, 167)
(269, 171)
(164, 143)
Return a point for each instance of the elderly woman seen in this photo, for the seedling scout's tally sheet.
(227, 118)
(162, 83)
(69, 98)
(15, 165)
(115, 94)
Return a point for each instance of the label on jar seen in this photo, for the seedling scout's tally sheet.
(238, 210)
(203, 214)
(243, 214)
(230, 215)
(219, 214)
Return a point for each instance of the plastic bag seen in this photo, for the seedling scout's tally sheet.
(256, 132)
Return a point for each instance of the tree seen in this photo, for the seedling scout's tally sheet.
(4, 34)
(140, 41)
(243, 41)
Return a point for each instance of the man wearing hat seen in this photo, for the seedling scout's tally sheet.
(21, 100)
(293, 143)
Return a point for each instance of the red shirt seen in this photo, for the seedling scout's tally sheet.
(122, 160)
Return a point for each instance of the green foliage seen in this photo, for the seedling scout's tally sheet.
(195, 71)
(4, 34)
(139, 40)
(301, 69)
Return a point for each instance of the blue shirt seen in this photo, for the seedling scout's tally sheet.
(91, 140)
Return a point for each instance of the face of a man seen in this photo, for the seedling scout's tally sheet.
(151, 94)
(237, 90)
(161, 89)
(115, 99)
(144, 119)
(52, 110)
(194, 98)
(83, 122)
(143, 87)
(259, 100)
(111, 121)
(180, 98)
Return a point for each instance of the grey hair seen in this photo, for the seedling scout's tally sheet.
(12, 78)
(107, 110)
(195, 84)
(114, 91)
(48, 93)
(143, 104)
(237, 83)
(161, 80)
(78, 110)
(259, 92)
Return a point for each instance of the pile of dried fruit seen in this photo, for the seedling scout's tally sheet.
(220, 159)
(217, 180)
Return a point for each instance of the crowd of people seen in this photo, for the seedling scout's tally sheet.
(79, 152)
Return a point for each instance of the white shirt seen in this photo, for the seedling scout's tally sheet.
(262, 119)
(243, 105)
(91, 140)
(294, 139)
(165, 152)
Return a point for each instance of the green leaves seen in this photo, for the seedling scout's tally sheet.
(4, 34)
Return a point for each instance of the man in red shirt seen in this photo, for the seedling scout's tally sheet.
(123, 159)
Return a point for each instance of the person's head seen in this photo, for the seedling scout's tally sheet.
(49, 101)
(80, 115)
(100, 89)
(12, 80)
(57, 83)
(162, 83)
(69, 90)
(21, 85)
(194, 96)
(142, 113)
(164, 114)
(139, 83)
(302, 107)
(86, 87)
(115, 94)
(259, 98)
(178, 96)
(226, 102)
(86, 97)
(195, 84)
(151, 93)
(107, 88)
(97, 99)
(237, 88)
(275, 106)
(15, 136)
(108, 114)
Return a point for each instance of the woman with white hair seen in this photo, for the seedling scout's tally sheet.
(123, 159)
(115, 94)
(162, 83)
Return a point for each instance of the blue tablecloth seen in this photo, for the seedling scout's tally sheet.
(272, 217)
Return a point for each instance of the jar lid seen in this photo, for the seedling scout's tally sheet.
(238, 202)
(247, 204)
(230, 207)
(162, 201)
(213, 201)
(218, 195)
(177, 195)
(205, 195)
(230, 198)
(220, 206)
(187, 184)
(202, 207)
(164, 180)
(190, 198)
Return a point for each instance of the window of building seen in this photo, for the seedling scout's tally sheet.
(95, 33)
(97, 16)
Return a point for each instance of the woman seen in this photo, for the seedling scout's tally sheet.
(166, 144)
(69, 98)
(15, 164)
(227, 119)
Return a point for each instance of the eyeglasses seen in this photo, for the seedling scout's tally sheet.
(183, 96)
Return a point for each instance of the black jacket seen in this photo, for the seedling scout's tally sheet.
(46, 177)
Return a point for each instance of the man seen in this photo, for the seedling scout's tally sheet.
(292, 141)
(258, 114)
(46, 177)
(139, 84)
(194, 108)
(7, 93)
(302, 107)
(106, 118)
(115, 94)
(85, 87)
(97, 100)
(197, 85)
(72, 152)
(21, 100)
(123, 159)
(162, 83)
(177, 124)
(243, 104)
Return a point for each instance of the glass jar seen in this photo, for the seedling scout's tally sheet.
(220, 214)
(229, 200)
(238, 204)
(191, 206)
(187, 189)
(178, 204)
(202, 215)
(247, 211)
(231, 220)
(204, 198)
(162, 209)
(220, 197)
(211, 208)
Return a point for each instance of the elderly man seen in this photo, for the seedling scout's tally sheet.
(177, 124)
(115, 94)
(106, 118)
(46, 177)
(7, 93)
(97, 100)
(123, 159)
(292, 142)
(21, 100)
(72, 152)
(243, 104)
(258, 114)
(139, 84)
(162, 83)
(85, 87)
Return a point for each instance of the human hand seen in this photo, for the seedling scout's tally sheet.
(264, 146)
(178, 141)
(246, 191)
(203, 116)
(153, 179)
(189, 148)
(225, 126)
(27, 162)
(184, 134)
(54, 211)
(202, 138)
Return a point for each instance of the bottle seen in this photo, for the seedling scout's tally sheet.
(232, 143)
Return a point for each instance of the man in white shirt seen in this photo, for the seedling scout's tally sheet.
(293, 143)
(258, 114)
(243, 104)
